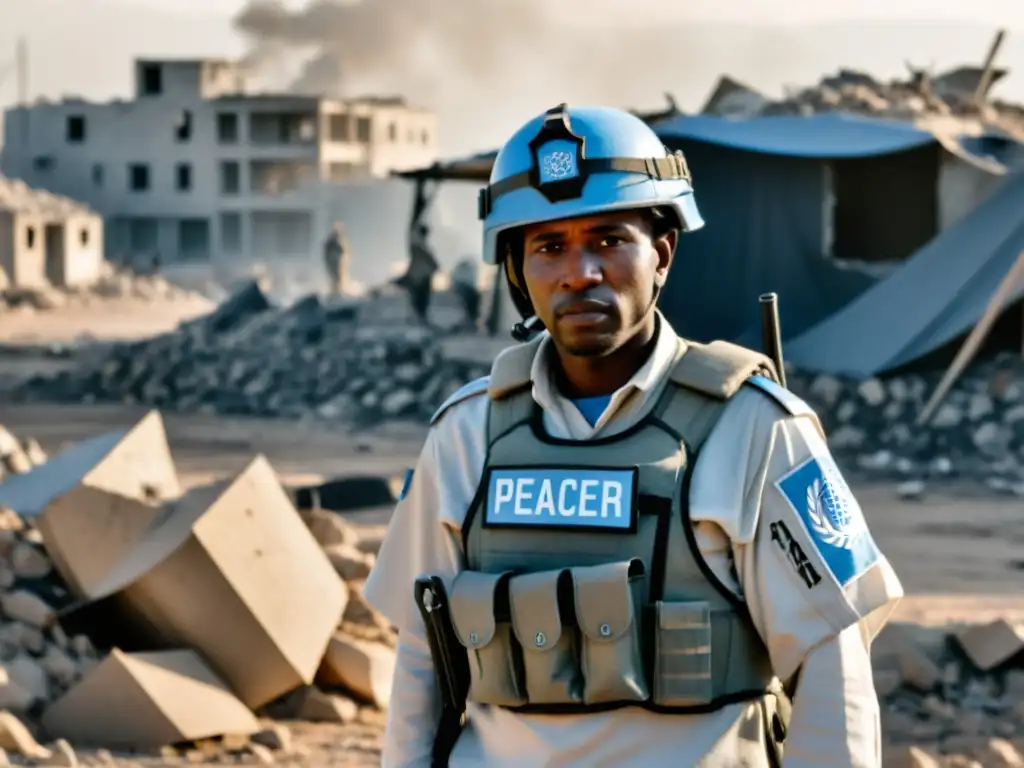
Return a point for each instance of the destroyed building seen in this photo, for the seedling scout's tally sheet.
(197, 168)
(46, 239)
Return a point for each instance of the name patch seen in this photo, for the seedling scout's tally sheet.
(545, 497)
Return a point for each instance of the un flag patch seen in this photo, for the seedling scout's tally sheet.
(587, 498)
(832, 517)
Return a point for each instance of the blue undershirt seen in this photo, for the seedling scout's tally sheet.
(592, 407)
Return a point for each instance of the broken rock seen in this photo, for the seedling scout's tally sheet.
(16, 738)
(350, 563)
(232, 572)
(316, 706)
(26, 607)
(365, 668)
(989, 645)
(94, 500)
(146, 701)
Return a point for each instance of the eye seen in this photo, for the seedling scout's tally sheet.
(612, 241)
(549, 248)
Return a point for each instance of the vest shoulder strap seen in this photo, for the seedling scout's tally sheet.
(706, 376)
(719, 369)
(511, 388)
(510, 371)
(465, 392)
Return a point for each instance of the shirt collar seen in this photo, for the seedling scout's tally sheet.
(647, 377)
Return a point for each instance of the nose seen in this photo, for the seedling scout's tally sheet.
(582, 269)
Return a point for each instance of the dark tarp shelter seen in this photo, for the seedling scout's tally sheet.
(777, 194)
(935, 297)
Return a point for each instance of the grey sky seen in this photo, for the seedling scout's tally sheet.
(85, 47)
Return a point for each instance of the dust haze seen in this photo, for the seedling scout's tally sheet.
(483, 65)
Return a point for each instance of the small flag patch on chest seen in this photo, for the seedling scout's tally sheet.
(558, 497)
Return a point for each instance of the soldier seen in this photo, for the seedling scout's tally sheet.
(465, 278)
(420, 273)
(651, 557)
(335, 258)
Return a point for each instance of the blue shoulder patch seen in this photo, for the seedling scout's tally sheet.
(793, 404)
(405, 484)
(466, 391)
(831, 516)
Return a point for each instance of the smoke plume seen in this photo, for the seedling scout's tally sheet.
(484, 65)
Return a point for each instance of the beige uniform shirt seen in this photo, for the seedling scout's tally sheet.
(735, 500)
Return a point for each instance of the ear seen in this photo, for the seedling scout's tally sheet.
(665, 248)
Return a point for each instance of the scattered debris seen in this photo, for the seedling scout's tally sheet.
(110, 284)
(977, 434)
(174, 620)
(213, 580)
(951, 696)
(922, 97)
(357, 362)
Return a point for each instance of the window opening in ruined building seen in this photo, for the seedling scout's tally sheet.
(227, 128)
(231, 232)
(363, 129)
(273, 177)
(425, 137)
(76, 129)
(306, 128)
(882, 209)
(193, 239)
(138, 177)
(269, 128)
(183, 128)
(338, 127)
(392, 132)
(83, 236)
(44, 162)
(97, 175)
(230, 177)
(152, 80)
(30, 237)
(183, 174)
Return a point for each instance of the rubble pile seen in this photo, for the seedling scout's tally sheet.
(977, 433)
(951, 697)
(359, 362)
(112, 284)
(921, 96)
(136, 619)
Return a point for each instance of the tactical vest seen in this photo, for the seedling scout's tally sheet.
(584, 589)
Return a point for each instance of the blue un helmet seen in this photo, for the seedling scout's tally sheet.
(577, 162)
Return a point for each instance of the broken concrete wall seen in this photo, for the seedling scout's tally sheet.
(963, 186)
(217, 572)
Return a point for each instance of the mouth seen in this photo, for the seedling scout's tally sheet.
(586, 310)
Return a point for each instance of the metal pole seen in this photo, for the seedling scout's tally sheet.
(771, 333)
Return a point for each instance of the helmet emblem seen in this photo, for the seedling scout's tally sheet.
(557, 164)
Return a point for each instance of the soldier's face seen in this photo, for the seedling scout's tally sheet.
(591, 279)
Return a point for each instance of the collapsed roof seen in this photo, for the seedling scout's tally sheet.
(17, 197)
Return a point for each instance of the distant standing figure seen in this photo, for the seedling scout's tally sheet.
(422, 267)
(335, 256)
(466, 284)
